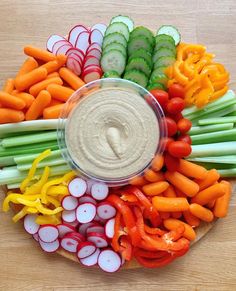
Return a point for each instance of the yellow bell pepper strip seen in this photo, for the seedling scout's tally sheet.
(58, 190)
(22, 213)
(47, 211)
(32, 210)
(53, 201)
(14, 197)
(37, 187)
(46, 219)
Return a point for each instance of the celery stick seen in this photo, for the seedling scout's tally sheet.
(7, 161)
(220, 120)
(230, 159)
(30, 158)
(214, 149)
(227, 172)
(29, 139)
(212, 137)
(210, 128)
(44, 163)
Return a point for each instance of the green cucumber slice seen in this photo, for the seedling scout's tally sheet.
(164, 38)
(143, 54)
(125, 19)
(157, 77)
(152, 86)
(143, 31)
(137, 77)
(113, 60)
(159, 69)
(139, 64)
(120, 27)
(111, 74)
(171, 31)
(137, 43)
(165, 44)
(115, 46)
(114, 37)
(162, 52)
(165, 62)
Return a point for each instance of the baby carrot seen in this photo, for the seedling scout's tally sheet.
(10, 101)
(201, 212)
(157, 163)
(37, 107)
(27, 98)
(213, 192)
(138, 181)
(164, 215)
(211, 177)
(153, 176)
(180, 193)
(61, 59)
(36, 88)
(170, 204)
(172, 224)
(222, 203)
(191, 170)
(39, 54)
(59, 92)
(176, 214)
(211, 204)
(155, 188)
(191, 219)
(8, 86)
(55, 65)
(72, 79)
(183, 183)
(53, 75)
(27, 80)
(54, 102)
(169, 192)
(10, 115)
(29, 65)
(52, 112)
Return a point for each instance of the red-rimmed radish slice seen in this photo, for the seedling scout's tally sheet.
(63, 49)
(96, 36)
(109, 261)
(88, 61)
(73, 65)
(91, 76)
(87, 198)
(91, 260)
(95, 228)
(74, 32)
(85, 249)
(105, 210)
(77, 57)
(94, 46)
(48, 233)
(30, 225)
(51, 247)
(99, 239)
(94, 53)
(68, 215)
(83, 228)
(52, 40)
(99, 191)
(69, 244)
(76, 235)
(92, 68)
(110, 228)
(69, 202)
(75, 51)
(64, 229)
(85, 212)
(90, 183)
(59, 44)
(82, 41)
(77, 187)
(74, 224)
(35, 236)
(99, 220)
(100, 26)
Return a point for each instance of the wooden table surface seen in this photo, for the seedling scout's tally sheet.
(211, 263)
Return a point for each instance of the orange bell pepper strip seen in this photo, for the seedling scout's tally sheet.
(217, 94)
(179, 76)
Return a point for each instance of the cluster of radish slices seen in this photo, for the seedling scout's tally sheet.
(87, 226)
(82, 48)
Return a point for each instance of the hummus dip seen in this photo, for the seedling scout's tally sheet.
(112, 133)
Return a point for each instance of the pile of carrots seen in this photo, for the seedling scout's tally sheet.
(41, 87)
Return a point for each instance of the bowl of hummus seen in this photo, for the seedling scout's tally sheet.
(110, 130)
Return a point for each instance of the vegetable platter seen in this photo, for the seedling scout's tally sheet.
(155, 218)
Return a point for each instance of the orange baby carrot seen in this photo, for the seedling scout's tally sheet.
(59, 92)
(53, 75)
(164, 215)
(222, 203)
(10, 101)
(36, 88)
(211, 177)
(52, 112)
(27, 80)
(138, 181)
(39, 54)
(211, 204)
(169, 192)
(191, 219)
(29, 65)
(61, 59)
(153, 176)
(155, 188)
(201, 212)
(172, 224)
(27, 98)
(8, 86)
(54, 102)
(10, 116)
(37, 107)
(176, 214)
(180, 193)
(157, 162)
(55, 65)
(191, 170)
(213, 192)
(183, 183)
(170, 204)
(72, 79)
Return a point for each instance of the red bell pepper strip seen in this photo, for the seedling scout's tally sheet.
(126, 249)
(149, 254)
(115, 239)
(152, 230)
(154, 263)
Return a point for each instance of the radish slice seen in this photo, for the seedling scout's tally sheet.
(69, 202)
(90, 183)
(69, 244)
(91, 61)
(99, 239)
(59, 44)
(76, 51)
(85, 249)
(48, 233)
(85, 212)
(30, 225)
(99, 219)
(51, 247)
(100, 26)
(77, 236)
(63, 49)
(83, 228)
(99, 191)
(77, 187)
(82, 41)
(68, 215)
(96, 36)
(91, 260)
(91, 76)
(52, 40)
(75, 31)
(105, 210)
(87, 198)
(90, 68)
(94, 46)
(110, 228)
(95, 228)
(73, 65)
(74, 224)
(64, 229)
(94, 53)
(109, 261)
(35, 236)
(77, 57)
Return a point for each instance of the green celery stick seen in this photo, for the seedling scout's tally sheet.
(210, 128)
(30, 158)
(44, 163)
(213, 137)
(230, 159)
(209, 121)
(214, 149)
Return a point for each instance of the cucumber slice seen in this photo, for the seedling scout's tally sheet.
(162, 52)
(125, 19)
(165, 62)
(120, 27)
(111, 74)
(143, 54)
(114, 37)
(171, 31)
(139, 64)
(115, 46)
(160, 70)
(165, 44)
(163, 38)
(137, 43)
(143, 31)
(137, 77)
(152, 86)
(113, 60)
(157, 77)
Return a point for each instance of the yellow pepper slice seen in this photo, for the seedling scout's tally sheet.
(37, 187)
(58, 190)
(46, 219)
(14, 197)
(20, 214)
